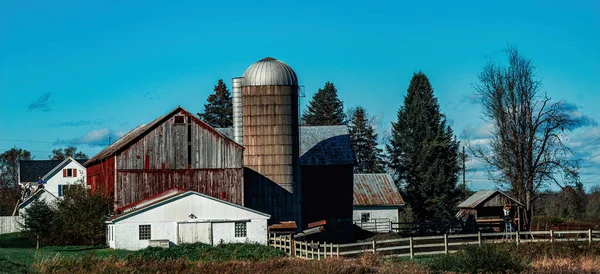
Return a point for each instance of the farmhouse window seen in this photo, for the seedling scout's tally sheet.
(240, 229)
(365, 217)
(69, 172)
(62, 190)
(145, 232)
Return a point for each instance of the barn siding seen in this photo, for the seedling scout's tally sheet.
(101, 177)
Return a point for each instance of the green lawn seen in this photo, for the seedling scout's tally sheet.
(17, 249)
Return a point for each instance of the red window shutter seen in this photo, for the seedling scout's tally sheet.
(74, 172)
(64, 172)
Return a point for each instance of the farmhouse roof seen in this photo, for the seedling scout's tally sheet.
(321, 145)
(480, 197)
(172, 196)
(128, 139)
(30, 170)
(376, 189)
(34, 195)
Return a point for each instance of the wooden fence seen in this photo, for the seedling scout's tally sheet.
(419, 246)
(9, 224)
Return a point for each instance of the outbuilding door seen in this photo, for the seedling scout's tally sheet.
(194, 233)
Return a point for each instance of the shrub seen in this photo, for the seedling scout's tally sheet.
(488, 258)
(79, 218)
(205, 253)
(37, 222)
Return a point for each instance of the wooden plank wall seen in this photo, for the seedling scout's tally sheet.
(224, 184)
(158, 161)
(166, 147)
(101, 177)
(9, 224)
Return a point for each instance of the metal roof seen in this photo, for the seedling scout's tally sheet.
(172, 196)
(30, 170)
(138, 132)
(320, 145)
(376, 189)
(269, 72)
(481, 196)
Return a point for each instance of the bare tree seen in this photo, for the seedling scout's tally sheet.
(526, 150)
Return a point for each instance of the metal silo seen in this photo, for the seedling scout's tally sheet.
(237, 110)
(270, 135)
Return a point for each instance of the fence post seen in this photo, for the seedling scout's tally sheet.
(590, 236)
(551, 235)
(325, 250)
(374, 248)
(410, 247)
(517, 239)
(446, 243)
(312, 251)
(338, 250)
(479, 237)
(318, 251)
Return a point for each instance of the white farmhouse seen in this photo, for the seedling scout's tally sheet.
(185, 217)
(58, 175)
(377, 202)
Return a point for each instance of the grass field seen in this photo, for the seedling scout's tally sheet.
(17, 255)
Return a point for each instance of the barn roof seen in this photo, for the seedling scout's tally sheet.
(480, 197)
(30, 170)
(170, 196)
(376, 190)
(320, 145)
(128, 139)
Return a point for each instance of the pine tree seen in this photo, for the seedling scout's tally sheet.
(218, 112)
(424, 154)
(364, 143)
(325, 108)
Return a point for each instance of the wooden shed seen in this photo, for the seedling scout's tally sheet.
(486, 209)
(176, 150)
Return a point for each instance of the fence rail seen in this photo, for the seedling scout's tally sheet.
(419, 246)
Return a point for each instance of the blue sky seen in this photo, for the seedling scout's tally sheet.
(74, 73)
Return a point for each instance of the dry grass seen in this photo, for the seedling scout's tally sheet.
(583, 264)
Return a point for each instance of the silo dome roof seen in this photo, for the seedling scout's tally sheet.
(270, 72)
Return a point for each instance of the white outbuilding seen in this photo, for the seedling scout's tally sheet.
(377, 202)
(185, 217)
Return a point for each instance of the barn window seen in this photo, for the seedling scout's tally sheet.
(145, 232)
(179, 119)
(240, 229)
(365, 217)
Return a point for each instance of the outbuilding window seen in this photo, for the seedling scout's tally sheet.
(365, 217)
(145, 232)
(240, 229)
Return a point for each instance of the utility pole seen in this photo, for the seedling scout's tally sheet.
(464, 168)
(109, 143)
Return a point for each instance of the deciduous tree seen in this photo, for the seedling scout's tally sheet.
(63, 153)
(527, 149)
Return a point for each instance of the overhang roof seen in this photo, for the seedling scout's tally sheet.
(37, 193)
(172, 196)
(482, 196)
(376, 189)
(138, 132)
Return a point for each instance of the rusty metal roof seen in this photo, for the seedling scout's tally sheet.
(481, 196)
(138, 132)
(376, 189)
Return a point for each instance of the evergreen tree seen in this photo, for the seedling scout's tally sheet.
(325, 108)
(37, 221)
(218, 112)
(424, 154)
(364, 143)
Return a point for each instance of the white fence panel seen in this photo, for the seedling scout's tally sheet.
(9, 224)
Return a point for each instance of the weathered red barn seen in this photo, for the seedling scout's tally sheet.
(176, 150)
